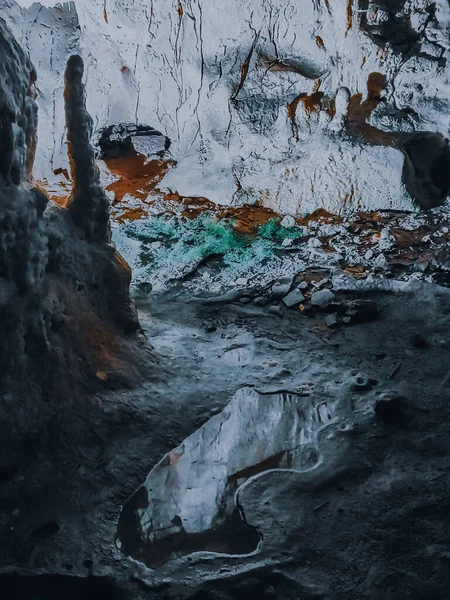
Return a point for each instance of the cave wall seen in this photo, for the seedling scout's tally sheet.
(65, 308)
(253, 95)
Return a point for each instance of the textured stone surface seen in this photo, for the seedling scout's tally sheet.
(64, 290)
(125, 139)
(254, 95)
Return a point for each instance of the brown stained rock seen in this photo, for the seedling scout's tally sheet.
(137, 177)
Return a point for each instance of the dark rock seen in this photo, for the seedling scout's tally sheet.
(392, 409)
(128, 139)
(145, 287)
(210, 327)
(88, 203)
(54, 587)
(361, 384)
(396, 29)
(65, 307)
(426, 171)
(362, 311)
(261, 301)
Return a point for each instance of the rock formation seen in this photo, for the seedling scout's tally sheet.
(254, 96)
(65, 307)
(125, 139)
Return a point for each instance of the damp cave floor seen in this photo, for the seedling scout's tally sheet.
(382, 529)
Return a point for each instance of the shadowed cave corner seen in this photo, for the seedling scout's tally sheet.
(66, 316)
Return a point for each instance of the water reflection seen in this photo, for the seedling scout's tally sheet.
(187, 503)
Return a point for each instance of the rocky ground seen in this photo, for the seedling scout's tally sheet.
(371, 520)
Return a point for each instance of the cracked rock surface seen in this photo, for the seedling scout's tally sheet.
(253, 96)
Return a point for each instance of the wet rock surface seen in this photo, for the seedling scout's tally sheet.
(194, 490)
(375, 504)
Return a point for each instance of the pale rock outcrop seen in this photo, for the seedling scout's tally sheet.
(253, 95)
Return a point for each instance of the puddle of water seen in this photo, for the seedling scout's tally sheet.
(187, 503)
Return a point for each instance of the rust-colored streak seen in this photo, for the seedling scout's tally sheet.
(320, 42)
(105, 15)
(359, 111)
(312, 103)
(131, 214)
(62, 171)
(331, 108)
(349, 16)
(180, 9)
(247, 218)
(292, 111)
(349, 196)
(59, 194)
(125, 70)
(320, 215)
(136, 177)
(327, 4)
(363, 62)
(375, 85)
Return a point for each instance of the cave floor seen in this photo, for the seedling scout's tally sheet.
(375, 524)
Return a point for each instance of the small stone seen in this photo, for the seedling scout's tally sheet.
(245, 300)
(276, 310)
(322, 298)
(303, 286)
(369, 254)
(288, 222)
(287, 242)
(261, 301)
(242, 281)
(294, 298)
(332, 320)
(281, 287)
(361, 384)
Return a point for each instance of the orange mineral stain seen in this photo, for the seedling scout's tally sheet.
(136, 176)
